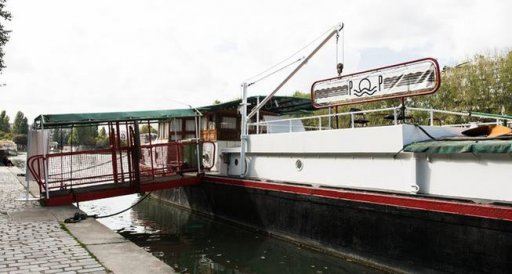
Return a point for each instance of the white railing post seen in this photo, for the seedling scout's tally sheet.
(431, 117)
(243, 131)
(258, 116)
(352, 120)
(319, 123)
(329, 118)
(44, 143)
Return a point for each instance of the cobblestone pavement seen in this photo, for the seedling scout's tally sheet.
(37, 245)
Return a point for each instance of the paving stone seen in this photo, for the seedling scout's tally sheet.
(35, 245)
(91, 270)
(18, 264)
(52, 271)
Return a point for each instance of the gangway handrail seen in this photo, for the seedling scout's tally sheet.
(160, 164)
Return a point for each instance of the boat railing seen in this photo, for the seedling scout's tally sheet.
(392, 115)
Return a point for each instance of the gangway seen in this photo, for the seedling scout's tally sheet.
(117, 162)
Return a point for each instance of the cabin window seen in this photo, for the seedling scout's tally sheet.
(176, 125)
(190, 125)
(163, 130)
(228, 123)
(208, 123)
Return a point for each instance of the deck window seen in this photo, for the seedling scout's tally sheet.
(228, 123)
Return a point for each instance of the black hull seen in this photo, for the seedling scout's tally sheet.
(394, 237)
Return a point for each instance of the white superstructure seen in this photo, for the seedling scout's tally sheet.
(371, 158)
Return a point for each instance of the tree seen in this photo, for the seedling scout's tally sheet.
(83, 135)
(20, 125)
(4, 34)
(145, 129)
(300, 94)
(61, 136)
(102, 140)
(20, 139)
(4, 121)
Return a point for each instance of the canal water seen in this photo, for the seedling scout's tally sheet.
(193, 243)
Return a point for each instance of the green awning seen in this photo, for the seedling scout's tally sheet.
(54, 120)
(279, 105)
(456, 146)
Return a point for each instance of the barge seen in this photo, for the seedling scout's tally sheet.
(404, 194)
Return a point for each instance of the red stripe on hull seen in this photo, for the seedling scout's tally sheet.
(427, 204)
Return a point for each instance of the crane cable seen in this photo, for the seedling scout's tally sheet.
(291, 56)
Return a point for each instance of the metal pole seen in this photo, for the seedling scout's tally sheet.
(27, 179)
(45, 160)
(258, 116)
(197, 143)
(259, 106)
(243, 130)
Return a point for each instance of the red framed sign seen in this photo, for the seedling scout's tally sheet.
(418, 77)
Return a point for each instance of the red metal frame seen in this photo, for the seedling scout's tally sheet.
(154, 175)
(487, 211)
(438, 84)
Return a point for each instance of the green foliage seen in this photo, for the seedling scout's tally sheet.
(5, 135)
(102, 140)
(300, 94)
(4, 34)
(83, 136)
(20, 139)
(146, 128)
(20, 125)
(483, 84)
(61, 136)
(4, 122)
(20, 129)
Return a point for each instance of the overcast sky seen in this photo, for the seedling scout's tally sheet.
(97, 56)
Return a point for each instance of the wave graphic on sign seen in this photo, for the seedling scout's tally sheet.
(365, 89)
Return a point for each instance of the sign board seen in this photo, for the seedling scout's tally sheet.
(413, 78)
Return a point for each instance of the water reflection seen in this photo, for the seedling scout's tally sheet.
(192, 243)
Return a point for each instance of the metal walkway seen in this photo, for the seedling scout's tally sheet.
(87, 156)
(64, 178)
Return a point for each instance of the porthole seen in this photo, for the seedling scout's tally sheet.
(236, 162)
(299, 165)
